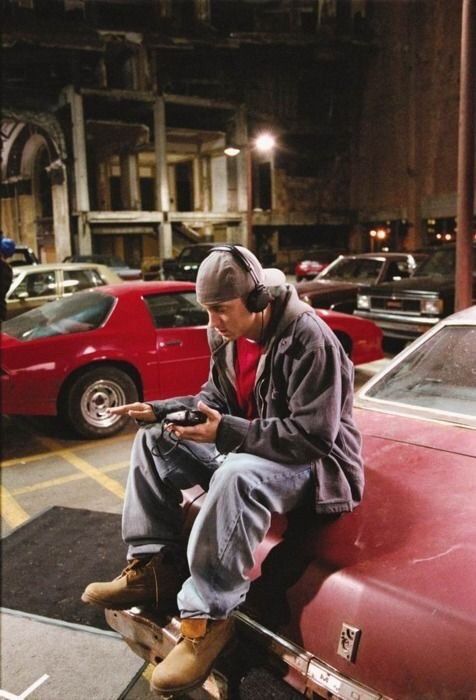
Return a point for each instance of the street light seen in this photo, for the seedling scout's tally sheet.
(264, 142)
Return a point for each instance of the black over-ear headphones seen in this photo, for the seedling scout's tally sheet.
(259, 298)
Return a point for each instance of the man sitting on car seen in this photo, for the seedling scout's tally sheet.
(278, 431)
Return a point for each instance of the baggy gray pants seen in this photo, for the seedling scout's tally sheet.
(243, 492)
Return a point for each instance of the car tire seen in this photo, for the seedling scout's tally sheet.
(94, 391)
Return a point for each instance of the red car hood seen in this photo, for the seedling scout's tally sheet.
(401, 568)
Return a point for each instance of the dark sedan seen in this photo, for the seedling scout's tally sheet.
(185, 266)
(337, 286)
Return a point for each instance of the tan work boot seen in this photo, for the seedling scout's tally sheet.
(190, 662)
(143, 582)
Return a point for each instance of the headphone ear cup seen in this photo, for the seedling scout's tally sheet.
(258, 299)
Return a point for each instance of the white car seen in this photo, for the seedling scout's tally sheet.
(34, 285)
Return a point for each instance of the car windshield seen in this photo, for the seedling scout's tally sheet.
(194, 253)
(81, 312)
(352, 270)
(442, 262)
(439, 375)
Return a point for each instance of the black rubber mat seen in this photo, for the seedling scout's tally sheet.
(261, 683)
(47, 563)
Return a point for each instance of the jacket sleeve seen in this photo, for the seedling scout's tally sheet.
(315, 396)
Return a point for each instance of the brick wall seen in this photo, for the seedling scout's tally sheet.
(405, 150)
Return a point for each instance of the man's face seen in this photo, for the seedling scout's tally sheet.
(230, 318)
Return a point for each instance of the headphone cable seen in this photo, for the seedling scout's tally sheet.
(176, 442)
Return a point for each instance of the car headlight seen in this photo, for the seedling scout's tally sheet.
(363, 301)
(432, 306)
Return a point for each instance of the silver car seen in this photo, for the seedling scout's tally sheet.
(34, 285)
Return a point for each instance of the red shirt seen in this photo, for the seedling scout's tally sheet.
(246, 364)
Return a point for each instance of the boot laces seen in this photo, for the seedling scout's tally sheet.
(133, 569)
(136, 568)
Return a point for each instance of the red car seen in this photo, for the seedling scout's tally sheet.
(379, 603)
(317, 262)
(80, 355)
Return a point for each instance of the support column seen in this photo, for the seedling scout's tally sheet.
(59, 196)
(130, 190)
(197, 185)
(162, 197)
(243, 173)
(80, 169)
(103, 185)
(465, 195)
(206, 184)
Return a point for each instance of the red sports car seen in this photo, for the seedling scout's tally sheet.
(80, 355)
(318, 260)
(380, 603)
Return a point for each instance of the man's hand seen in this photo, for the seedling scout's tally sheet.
(203, 432)
(138, 411)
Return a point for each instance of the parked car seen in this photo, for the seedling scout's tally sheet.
(185, 265)
(23, 255)
(115, 263)
(407, 308)
(33, 285)
(112, 345)
(379, 603)
(318, 260)
(337, 286)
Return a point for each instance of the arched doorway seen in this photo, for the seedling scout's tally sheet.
(35, 209)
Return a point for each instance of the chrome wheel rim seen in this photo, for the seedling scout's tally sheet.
(98, 398)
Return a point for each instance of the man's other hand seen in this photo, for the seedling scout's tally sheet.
(137, 410)
(203, 432)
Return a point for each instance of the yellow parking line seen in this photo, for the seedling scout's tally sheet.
(147, 672)
(12, 512)
(110, 484)
(44, 455)
(60, 481)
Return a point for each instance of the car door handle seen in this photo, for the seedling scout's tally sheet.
(168, 343)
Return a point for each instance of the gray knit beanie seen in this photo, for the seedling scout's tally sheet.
(222, 277)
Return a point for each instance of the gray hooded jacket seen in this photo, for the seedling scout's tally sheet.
(304, 394)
